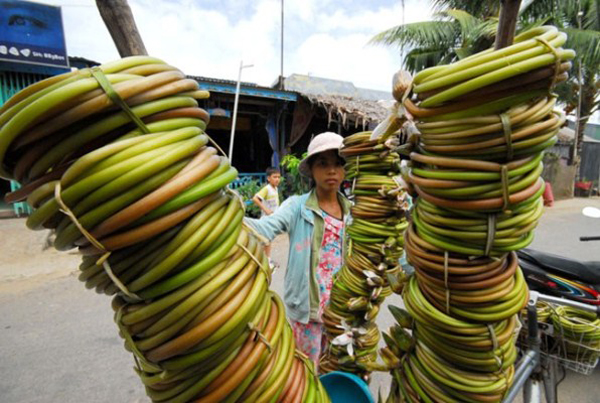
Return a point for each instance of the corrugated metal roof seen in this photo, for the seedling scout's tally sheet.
(249, 89)
(223, 81)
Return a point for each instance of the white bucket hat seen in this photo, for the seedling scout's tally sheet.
(321, 142)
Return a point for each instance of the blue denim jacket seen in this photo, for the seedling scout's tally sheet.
(296, 217)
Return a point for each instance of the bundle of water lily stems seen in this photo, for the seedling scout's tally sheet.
(375, 245)
(483, 124)
(574, 336)
(578, 333)
(116, 162)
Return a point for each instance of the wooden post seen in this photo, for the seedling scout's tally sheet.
(507, 23)
(120, 23)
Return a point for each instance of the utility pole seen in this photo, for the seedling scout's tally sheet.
(281, 87)
(119, 20)
(507, 23)
(235, 108)
(578, 138)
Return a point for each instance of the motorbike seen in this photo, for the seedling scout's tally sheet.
(554, 281)
(561, 276)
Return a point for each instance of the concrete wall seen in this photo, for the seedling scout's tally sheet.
(590, 162)
(560, 176)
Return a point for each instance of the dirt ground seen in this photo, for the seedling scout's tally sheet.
(26, 261)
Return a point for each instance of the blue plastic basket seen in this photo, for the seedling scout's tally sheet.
(344, 387)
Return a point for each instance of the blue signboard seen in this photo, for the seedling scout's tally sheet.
(32, 33)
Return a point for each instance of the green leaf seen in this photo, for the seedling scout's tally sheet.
(467, 23)
(419, 59)
(587, 45)
(463, 52)
(419, 34)
(465, 27)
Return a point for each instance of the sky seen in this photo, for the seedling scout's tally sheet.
(323, 38)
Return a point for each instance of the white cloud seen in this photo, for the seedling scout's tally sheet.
(85, 32)
(346, 58)
(374, 20)
(327, 38)
(340, 49)
(305, 10)
(205, 42)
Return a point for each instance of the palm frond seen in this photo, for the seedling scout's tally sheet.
(466, 21)
(567, 93)
(418, 34)
(525, 24)
(591, 15)
(486, 29)
(562, 14)
(464, 27)
(461, 53)
(420, 58)
(534, 10)
(480, 8)
(587, 45)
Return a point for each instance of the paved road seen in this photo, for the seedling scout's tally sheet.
(58, 342)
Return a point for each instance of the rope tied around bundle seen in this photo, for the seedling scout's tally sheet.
(491, 233)
(308, 362)
(557, 60)
(261, 267)
(499, 358)
(103, 260)
(138, 356)
(114, 96)
(446, 265)
(506, 128)
(259, 336)
(357, 174)
(505, 188)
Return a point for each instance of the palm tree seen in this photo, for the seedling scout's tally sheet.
(580, 20)
(452, 35)
(463, 27)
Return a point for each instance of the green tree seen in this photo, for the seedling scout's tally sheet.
(452, 35)
(580, 20)
(464, 27)
(293, 183)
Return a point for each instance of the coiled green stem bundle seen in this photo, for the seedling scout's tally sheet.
(116, 162)
(483, 123)
(375, 244)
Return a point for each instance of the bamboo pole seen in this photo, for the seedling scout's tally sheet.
(119, 20)
(507, 24)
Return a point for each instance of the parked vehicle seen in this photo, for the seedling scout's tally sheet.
(561, 322)
(563, 276)
(548, 347)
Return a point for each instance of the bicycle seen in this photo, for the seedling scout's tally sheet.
(542, 358)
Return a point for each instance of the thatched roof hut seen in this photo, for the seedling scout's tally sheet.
(333, 105)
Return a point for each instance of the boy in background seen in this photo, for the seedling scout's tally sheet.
(267, 199)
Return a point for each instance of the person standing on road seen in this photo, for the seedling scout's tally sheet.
(267, 199)
(315, 224)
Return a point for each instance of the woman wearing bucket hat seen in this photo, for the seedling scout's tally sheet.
(315, 223)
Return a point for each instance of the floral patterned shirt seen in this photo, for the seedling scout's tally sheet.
(310, 337)
(330, 260)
